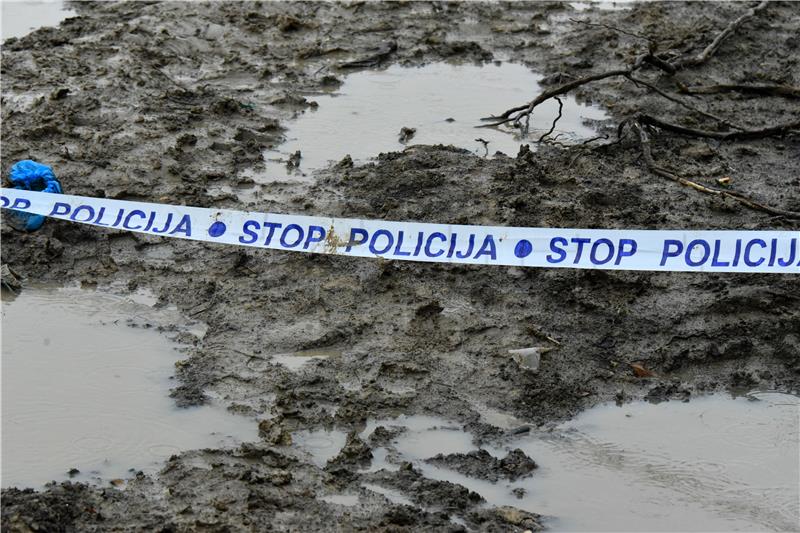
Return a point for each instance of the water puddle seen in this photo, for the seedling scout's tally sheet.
(294, 361)
(347, 500)
(442, 102)
(394, 496)
(82, 389)
(618, 5)
(322, 445)
(21, 18)
(715, 463)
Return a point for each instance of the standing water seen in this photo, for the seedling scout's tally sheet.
(83, 390)
(21, 18)
(713, 464)
(441, 101)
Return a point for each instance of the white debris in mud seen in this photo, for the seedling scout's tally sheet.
(294, 361)
(348, 500)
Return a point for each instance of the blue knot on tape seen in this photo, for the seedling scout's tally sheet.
(32, 176)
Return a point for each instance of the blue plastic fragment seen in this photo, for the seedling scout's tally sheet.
(32, 176)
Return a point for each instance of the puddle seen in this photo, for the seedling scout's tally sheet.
(714, 463)
(321, 445)
(348, 500)
(443, 102)
(496, 418)
(380, 461)
(296, 360)
(21, 18)
(619, 5)
(82, 389)
(394, 496)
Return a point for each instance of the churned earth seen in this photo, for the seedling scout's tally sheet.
(166, 102)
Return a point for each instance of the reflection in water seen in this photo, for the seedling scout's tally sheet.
(442, 102)
(82, 389)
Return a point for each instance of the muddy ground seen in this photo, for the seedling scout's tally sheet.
(164, 102)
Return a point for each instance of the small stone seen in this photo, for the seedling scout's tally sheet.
(330, 81)
(73, 472)
(294, 160)
(406, 134)
(59, 94)
(354, 452)
(519, 518)
(529, 358)
(346, 162)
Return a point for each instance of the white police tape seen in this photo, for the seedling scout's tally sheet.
(657, 250)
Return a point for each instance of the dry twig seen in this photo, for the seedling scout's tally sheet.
(516, 114)
(555, 120)
(641, 121)
(741, 135)
(786, 91)
(724, 122)
(652, 166)
(711, 49)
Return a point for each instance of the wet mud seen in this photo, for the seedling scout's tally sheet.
(177, 103)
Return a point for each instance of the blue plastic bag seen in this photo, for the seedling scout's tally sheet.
(31, 176)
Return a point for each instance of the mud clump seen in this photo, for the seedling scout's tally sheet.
(273, 432)
(382, 436)
(354, 453)
(58, 509)
(481, 464)
(406, 134)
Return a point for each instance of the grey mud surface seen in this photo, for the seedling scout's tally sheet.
(164, 102)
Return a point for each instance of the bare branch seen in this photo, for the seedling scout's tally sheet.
(555, 121)
(660, 63)
(680, 102)
(652, 166)
(551, 93)
(770, 131)
(786, 91)
(712, 48)
(515, 114)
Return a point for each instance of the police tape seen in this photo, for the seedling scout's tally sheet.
(655, 250)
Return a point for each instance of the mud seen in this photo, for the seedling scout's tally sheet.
(483, 465)
(177, 102)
